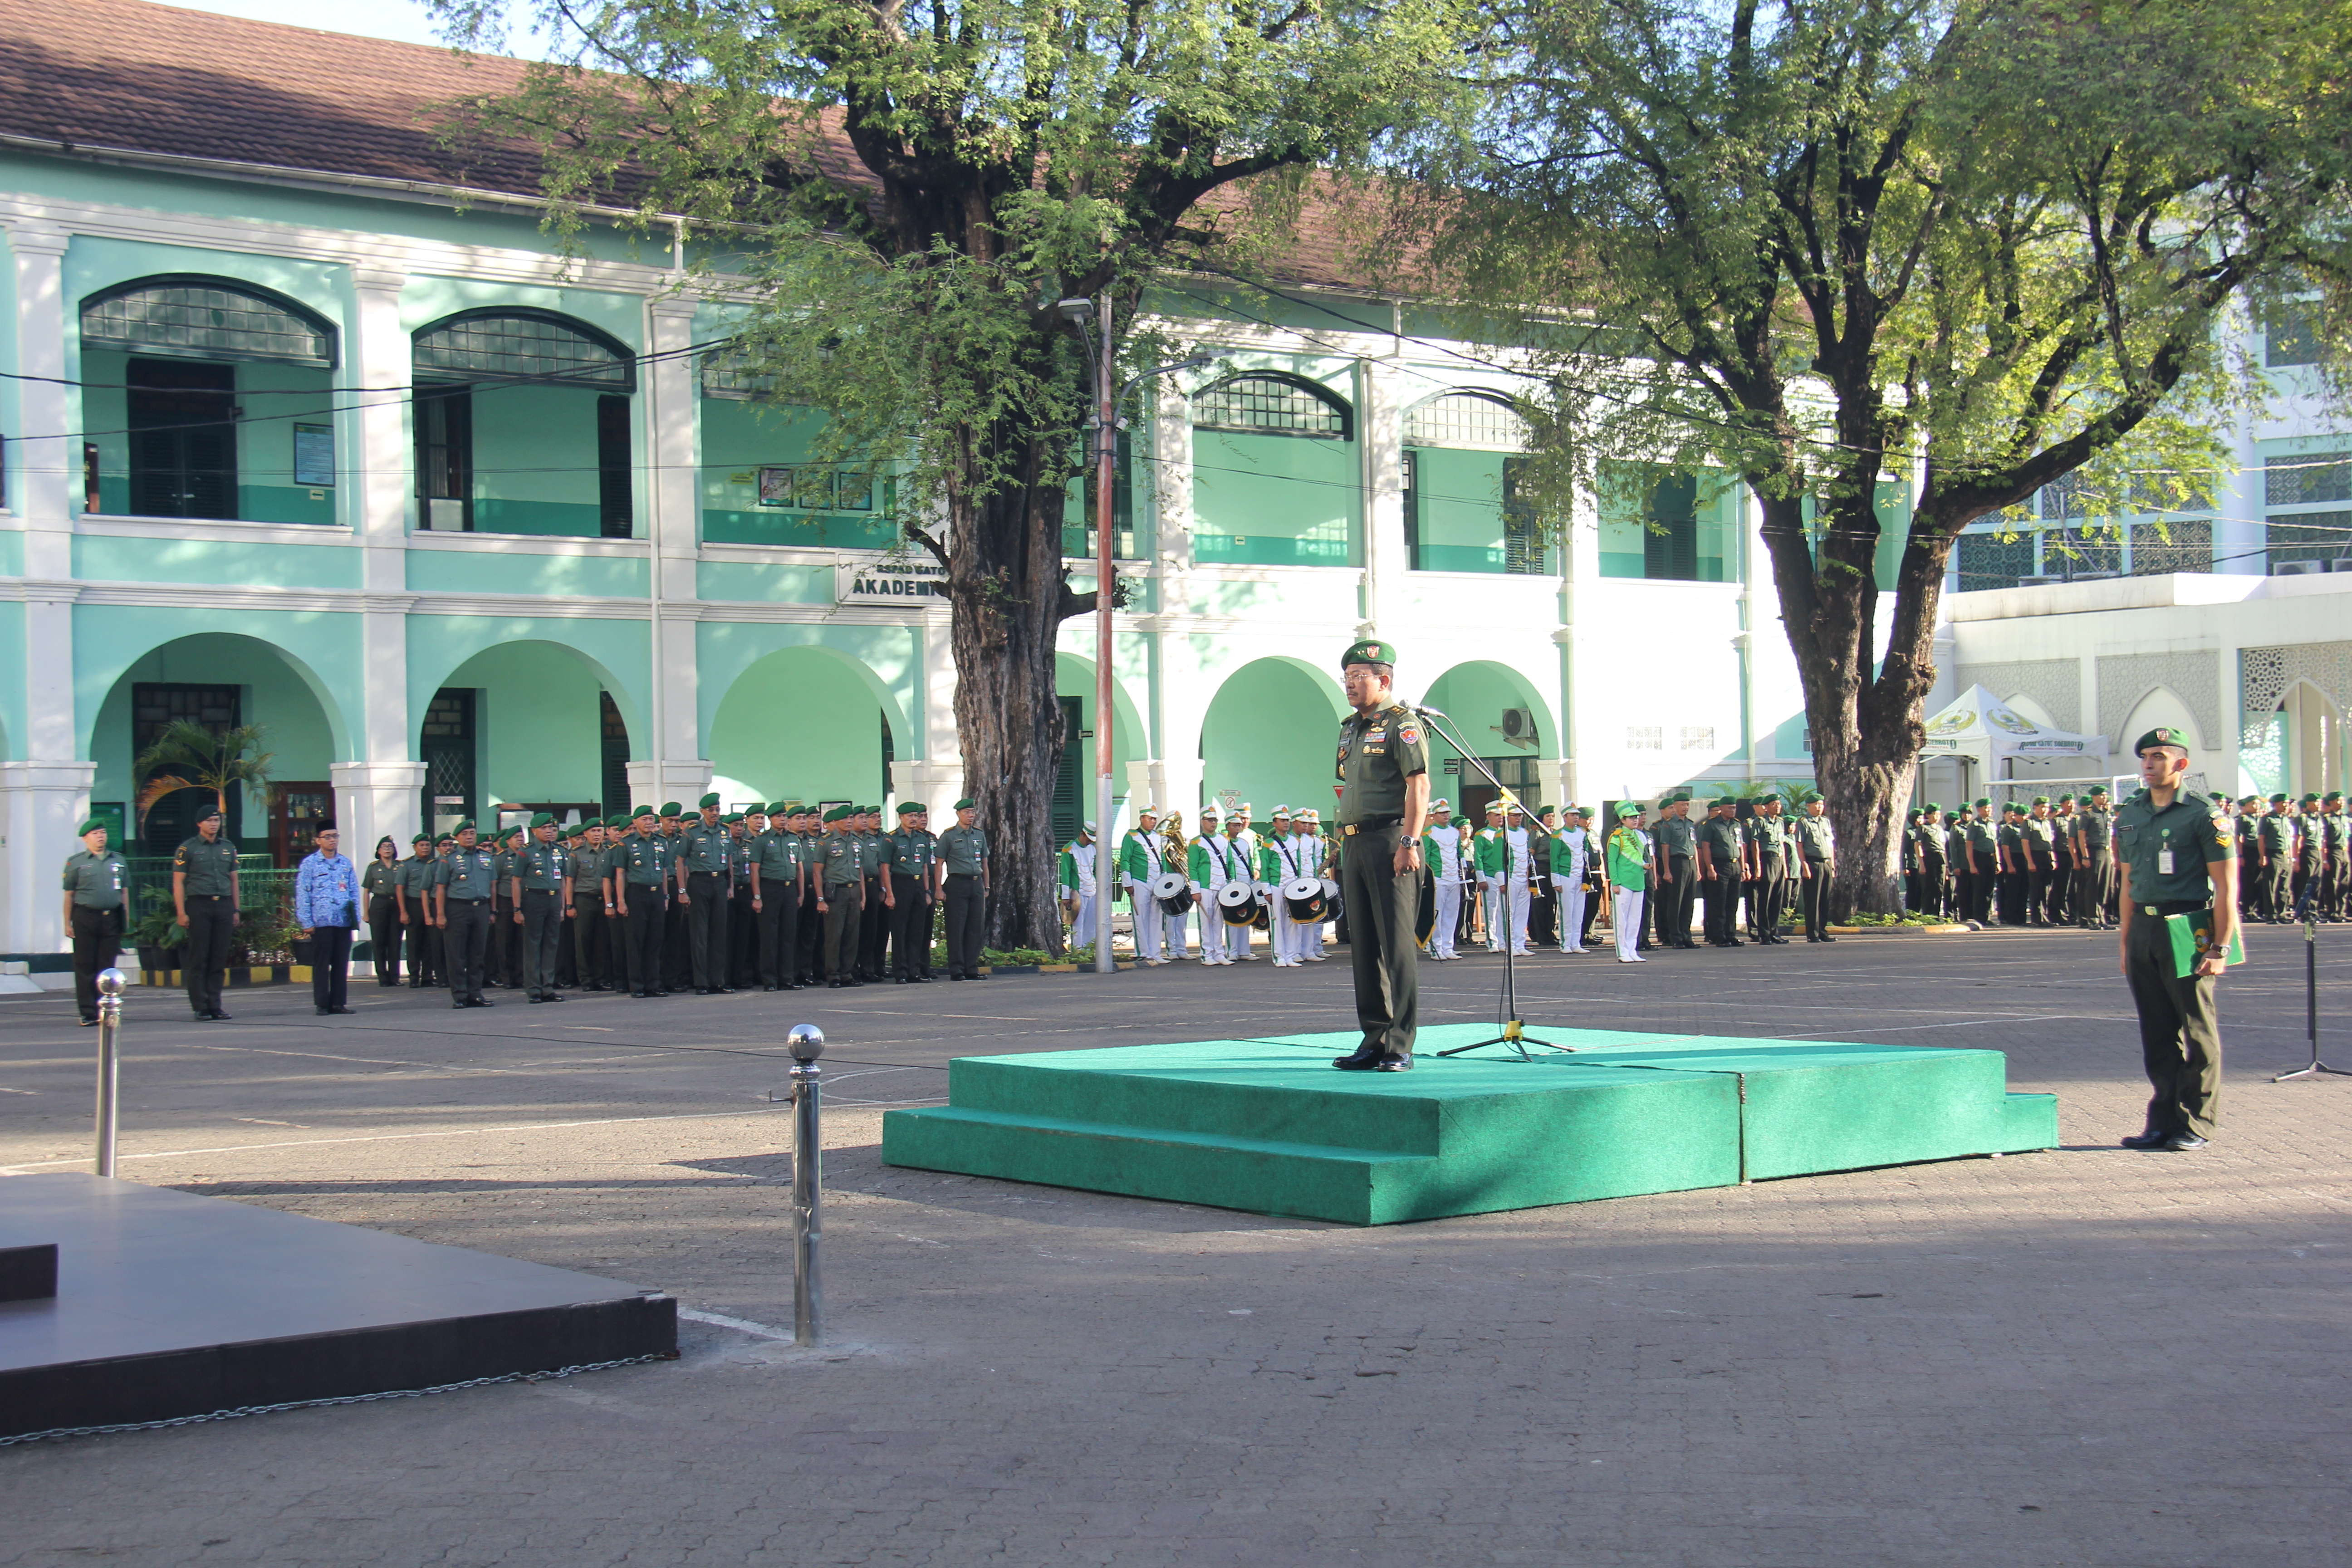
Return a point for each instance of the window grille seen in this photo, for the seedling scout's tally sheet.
(2310, 536)
(2188, 548)
(200, 319)
(1466, 419)
(725, 375)
(1991, 561)
(1272, 405)
(2308, 478)
(1698, 736)
(1645, 738)
(516, 347)
(2291, 337)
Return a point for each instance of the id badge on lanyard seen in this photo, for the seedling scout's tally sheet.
(2164, 857)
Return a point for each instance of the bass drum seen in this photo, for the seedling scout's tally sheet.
(1237, 902)
(1172, 893)
(1302, 895)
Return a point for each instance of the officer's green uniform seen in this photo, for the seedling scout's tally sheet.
(639, 866)
(209, 892)
(469, 883)
(2277, 831)
(703, 856)
(1816, 851)
(414, 883)
(1720, 850)
(2167, 854)
(2094, 870)
(502, 960)
(909, 856)
(1377, 753)
(590, 953)
(873, 922)
(964, 855)
(542, 868)
(777, 856)
(842, 874)
(95, 882)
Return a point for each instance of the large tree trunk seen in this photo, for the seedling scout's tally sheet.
(1008, 597)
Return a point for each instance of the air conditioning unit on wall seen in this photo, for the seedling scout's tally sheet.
(1519, 728)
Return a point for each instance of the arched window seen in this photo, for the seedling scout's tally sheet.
(523, 345)
(1480, 421)
(1268, 404)
(205, 318)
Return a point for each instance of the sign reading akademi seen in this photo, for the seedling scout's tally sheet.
(885, 579)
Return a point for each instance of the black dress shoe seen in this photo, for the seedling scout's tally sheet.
(2184, 1142)
(461, 1003)
(552, 996)
(955, 977)
(1827, 937)
(219, 1017)
(89, 1023)
(2147, 1140)
(346, 1011)
(1394, 1064)
(484, 1002)
(1359, 1061)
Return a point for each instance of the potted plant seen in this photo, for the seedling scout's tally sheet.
(155, 935)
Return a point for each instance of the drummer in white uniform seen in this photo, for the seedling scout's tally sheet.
(1140, 865)
(1274, 858)
(1241, 866)
(1441, 851)
(1079, 885)
(1306, 826)
(1204, 866)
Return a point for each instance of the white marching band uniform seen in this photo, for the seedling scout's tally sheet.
(1579, 846)
(1287, 933)
(1150, 946)
(1308, 833)
(1447, 869)
(1208, 874)
(1513, 883)
(1081, 859)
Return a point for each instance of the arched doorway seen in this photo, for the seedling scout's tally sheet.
(531, 725)
(1267, 737)
(1499, 712)
(1074, 793)
(807, 723)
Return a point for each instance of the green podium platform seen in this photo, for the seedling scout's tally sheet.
(1266, 1126)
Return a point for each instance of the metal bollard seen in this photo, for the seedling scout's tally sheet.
(109, 1063)
(806, 1043)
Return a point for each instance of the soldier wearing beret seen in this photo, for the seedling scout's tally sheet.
(2094, 871)
(2335, 852)
(541, 883)
(913, 868)
(413, 888)
(93, 913)
(2037, 850)
(1816, 862)
(584, 863)
(637, 874)
(465, 892)
(2062, 844)
(1384, 771)
(1677, 894)
(704, 890)
(2276, 833)
(2175, 855)
(963, 860)
(206, 901)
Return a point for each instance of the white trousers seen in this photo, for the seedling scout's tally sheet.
(1212, 924)
(1571, 912)
(1285, 932)
(1628, 919)
(1449, 917)
(1146, 919)
(1237, 940)
(1082, 929)
(1517, 930)
(1176, 930)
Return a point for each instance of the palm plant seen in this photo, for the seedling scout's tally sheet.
(196, 756)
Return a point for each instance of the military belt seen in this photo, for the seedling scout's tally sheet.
(1368, 824)
(2175, 907)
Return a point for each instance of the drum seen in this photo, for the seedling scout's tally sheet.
(1237, 902)
(1173, 892)
(1304, 897)
(1331, 892)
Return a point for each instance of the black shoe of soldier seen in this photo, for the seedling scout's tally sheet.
(1360, 1060)
(2184, 1142)
(2147, 1140)
(1394, 1064)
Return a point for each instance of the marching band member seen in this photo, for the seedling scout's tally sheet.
(1494, 863)
(1140, 861)
(1442, 851)
(1571, 853)
(1314, 860)
(1204, 864)
(1175, 852)
(1519, 863)
(1275, 858)
(1078, 883)
(1241, 866)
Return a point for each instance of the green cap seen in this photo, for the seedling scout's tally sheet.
(910, 807)
(465, 823)
(1771, 797)
(93, 826)
(2278, 800)
(2333, 798)
(1929, 808)
(2066, 800)
(841, 814)
(966, 803)
(1981, 801)
(2309, 800)
(2041, 800)
(2250, 800)
(671, 808)
(709, 800)
(781, 808)
(1372, 650)
(2162, 735)
(1628, 808)
(543, 819)
(2098, 790)
(643, 811)
(420, 839)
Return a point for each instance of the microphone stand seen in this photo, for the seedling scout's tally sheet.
(2310, 919)
(1514, 1029)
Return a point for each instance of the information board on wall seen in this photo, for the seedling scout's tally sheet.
(871, 579)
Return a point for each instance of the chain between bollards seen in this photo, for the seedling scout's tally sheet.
(806, 1042)
(109, 1063)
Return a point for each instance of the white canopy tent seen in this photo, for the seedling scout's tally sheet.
(1986, 731)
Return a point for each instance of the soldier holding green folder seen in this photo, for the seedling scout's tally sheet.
(2177, 855)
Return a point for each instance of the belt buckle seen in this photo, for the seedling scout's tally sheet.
(1347, 830)
(2148, 909)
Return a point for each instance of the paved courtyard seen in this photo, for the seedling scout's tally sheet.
(2081, 1357)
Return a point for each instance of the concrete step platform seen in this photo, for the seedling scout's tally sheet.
(1266, 1126)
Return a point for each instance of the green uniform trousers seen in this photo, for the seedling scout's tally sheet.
(1381, 904)
(2179, 1032)
(845, 919)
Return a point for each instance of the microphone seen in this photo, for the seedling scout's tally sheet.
(1428, 712)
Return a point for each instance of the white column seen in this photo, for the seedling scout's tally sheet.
(1380, 434)
(657, 784)
(937, 777)
(379, 792)
(671, 399)
(48, 794)
(372, 799)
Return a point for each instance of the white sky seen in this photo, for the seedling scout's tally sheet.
(405, 21)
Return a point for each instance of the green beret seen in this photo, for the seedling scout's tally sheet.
(642, 811)
(93, 826)
(908, 807)
(2332, 796)
(465, 823)
(446, 839)
(1982, 801)
(1628, 808)
(420, 839)
(1372, 650)
(1930, 808)
(2278, 800)
(2041, 800)
(2098, 789)
(966, 803)
(710, 799)
(1770, 798)
(543, 819)
(781, 808)
(2162, 735)
(671, 808)
(206, 813)
(2309, 800)
(2250, 800)
(2066, 800)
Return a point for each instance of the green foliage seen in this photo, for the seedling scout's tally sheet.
(194, 756)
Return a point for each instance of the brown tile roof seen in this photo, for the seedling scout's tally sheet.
(127, 75)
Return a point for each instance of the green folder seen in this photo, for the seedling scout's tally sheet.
(2192, 934)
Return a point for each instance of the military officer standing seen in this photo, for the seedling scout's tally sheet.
(2336, 848)
(2277, 830)
(585, 865)
(778, 881)
(465, 893)
(2094, 872)
(914, 872)
(2176, 856)
(2060, 905)
(964, 855)
(413, 889)
(1677, 893)
(1816, 866)
(542, 896)
(1771, 838)
(704, 890)
(842, 896)
(637, 869)
(93, 913)
(1932, 862)
(1383, 770)
(205, 901)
